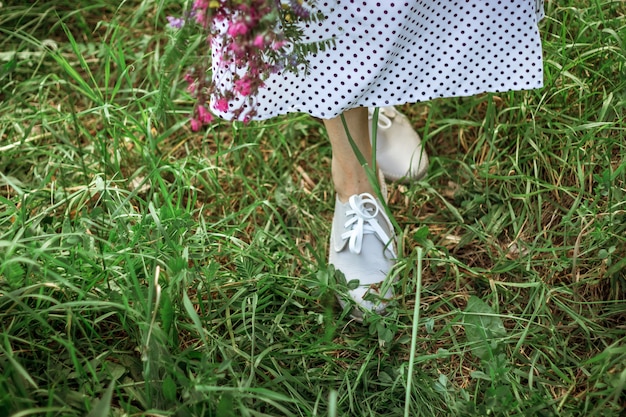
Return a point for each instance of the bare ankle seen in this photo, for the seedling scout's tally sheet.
(349, 183)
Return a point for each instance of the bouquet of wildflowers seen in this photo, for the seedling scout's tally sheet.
(258, 37)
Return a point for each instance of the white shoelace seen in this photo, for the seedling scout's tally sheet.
(385, 116)
(362, 221)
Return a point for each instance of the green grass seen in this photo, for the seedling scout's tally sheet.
(148, 270)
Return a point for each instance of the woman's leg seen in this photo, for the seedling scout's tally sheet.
(348, 175)
(362, 240)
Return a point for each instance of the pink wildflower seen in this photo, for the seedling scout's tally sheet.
(259, 41)
(243, 86)
(278, 45)
(221, 104)
(237, 28)
(204, 115)
(250, 42)
(236, 49)
(195, 124)
(200, 16)
(188, 77)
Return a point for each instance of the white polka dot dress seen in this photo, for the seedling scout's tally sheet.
(396, 52)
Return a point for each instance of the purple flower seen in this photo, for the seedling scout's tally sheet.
(299, 9)
(175, 22)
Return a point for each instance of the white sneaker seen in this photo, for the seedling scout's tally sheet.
(363, 247)
(399, 151)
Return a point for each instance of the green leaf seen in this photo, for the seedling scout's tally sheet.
(226, 407)
(430, 325)
(187, 304)
(385, 335)
(102, 407)
(167, 312)
(421, 234)
(483, 328)
(480, 375)
(353, 284)
(169, 389)
(9, 67)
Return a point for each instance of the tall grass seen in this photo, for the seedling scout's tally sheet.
(149, 270)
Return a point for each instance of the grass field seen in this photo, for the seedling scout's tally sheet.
(146, 270)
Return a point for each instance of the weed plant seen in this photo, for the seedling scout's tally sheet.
(149, 270)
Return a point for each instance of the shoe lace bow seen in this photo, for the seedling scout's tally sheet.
(385, 116)
(362, 221)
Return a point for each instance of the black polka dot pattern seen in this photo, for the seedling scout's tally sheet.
(391, 52)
